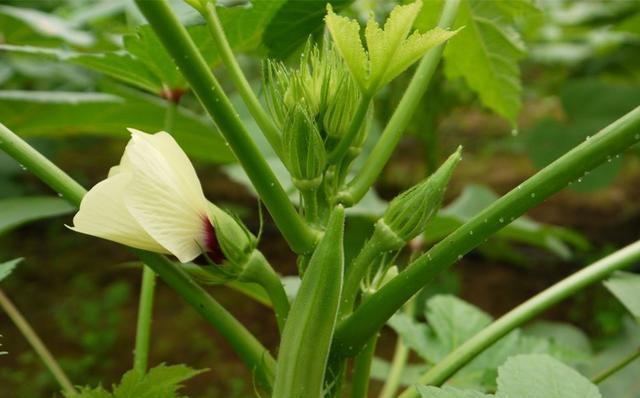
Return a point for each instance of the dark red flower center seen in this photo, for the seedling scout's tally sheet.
(211, 243)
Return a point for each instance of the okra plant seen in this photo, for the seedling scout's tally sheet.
(316, 116)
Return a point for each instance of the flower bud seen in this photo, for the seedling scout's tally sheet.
(322, 85)
(303, 149)
(408, 213)
(381, 278)
(235, 240)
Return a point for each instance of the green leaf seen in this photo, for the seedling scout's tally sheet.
(625, 286)
(390, 50)
(145, 46)
(451, 322)
(159, 382)
(449, 392)
(49, 25)
(245, 28)
(454, 321)
(88, 392)
(541, 376)
(7, 267)
(346, 37)
(485, 53)
(22, 210)
(118, 65)
(568, 343)
(293, 22)
(60, 114)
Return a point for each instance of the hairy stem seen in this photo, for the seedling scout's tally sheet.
(241, 340)
(525, 312)
(401, 117)
(37, 344)
(354, 331)
(261, 117)
(179, 44)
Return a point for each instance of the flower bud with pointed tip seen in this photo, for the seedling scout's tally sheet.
(408, 213)
(303, 149)
(235, 240)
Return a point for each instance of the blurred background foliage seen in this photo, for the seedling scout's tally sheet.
(521, 84)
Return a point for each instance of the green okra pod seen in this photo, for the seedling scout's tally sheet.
(308, 332)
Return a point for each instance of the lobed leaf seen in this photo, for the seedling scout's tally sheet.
(486, 53)
(161, 381)
(541, 376)
(346, 36)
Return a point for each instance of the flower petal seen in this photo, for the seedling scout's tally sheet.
(172, 164)
(103, 214)
(165, 196)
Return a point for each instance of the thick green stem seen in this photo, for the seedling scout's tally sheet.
(525, 312)
(356, 124)
(40, 166)
(143, 325)
(261, 117)
(605, 374)
(356, 330)
(362, 370)
(179, 44)
(242, 341)
(401, 117)
(37, 344)
(258, 270)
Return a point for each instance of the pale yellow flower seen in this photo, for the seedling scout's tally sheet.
(152, 201)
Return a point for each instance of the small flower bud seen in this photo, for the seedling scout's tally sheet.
(235, 240)
(408, 214)
(303, 149)
(381, 278)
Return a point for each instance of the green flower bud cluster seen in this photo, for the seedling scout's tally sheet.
(322, 85)
(408, 213)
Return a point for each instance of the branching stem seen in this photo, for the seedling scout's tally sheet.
(524, 312)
